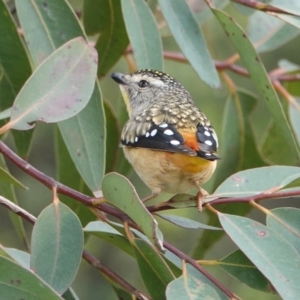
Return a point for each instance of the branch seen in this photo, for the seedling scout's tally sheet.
(263, 7)
(86, 255)
(91, 259)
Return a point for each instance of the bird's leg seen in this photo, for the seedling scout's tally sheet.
(153, 195)
(200, 198)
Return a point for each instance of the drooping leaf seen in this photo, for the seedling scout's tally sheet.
(19, 283)
(44, 34)
(259, 76)
(59, 88)
(265, 248)
(286, 222)
(68, 174)
(8, 191)
(108, 233)
(20, 257)
(237, 145)
(241, 268)
(268, 33)
(120, 192)
(186, 223)
(14, 71)
(143, 34)
(57, 244)
(189, 37)
(113, 138)
(105, 18)
(154, 271)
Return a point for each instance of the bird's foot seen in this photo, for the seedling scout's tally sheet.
(200, 198)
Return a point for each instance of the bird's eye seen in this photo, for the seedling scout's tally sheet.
(143, 83)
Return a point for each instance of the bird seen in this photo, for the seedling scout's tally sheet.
(169, 142)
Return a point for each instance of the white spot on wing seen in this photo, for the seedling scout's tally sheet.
(147, 134)
(207, 154)
(153, 132)
(163, 125)
(175, 142)
(136, 139)
(206, 133)
(168, 132)
(207, 142)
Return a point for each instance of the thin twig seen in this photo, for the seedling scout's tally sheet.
(263, 6)
(91, 259)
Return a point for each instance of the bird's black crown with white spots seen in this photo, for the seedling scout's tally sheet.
(159, 109)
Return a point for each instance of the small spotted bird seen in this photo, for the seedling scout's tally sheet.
(169, 142)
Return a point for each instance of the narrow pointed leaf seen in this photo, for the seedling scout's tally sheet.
(108, 233)
(57, 244)
(20, 257)
(238, 144)
(286, 222)
(256, 181)
(190, 288)
(259, 76)
(105, 18)
(143, 34)
(14, 71)
(265, 248)
(59, 88)
(238, 265)
(19, 283)
(268, 32)
(119, 191)
(154, 271)
(7, 177)
(295, 119)
(44, 34)
(186, 223)
(189, 37)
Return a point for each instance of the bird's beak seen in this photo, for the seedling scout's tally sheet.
(119, 78)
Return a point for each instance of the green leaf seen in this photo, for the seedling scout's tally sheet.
(286, 222)
(19, 283)
(186, 223)
(242, 269)
(14, 70)
(113, 138)
(189, 37)
(256, 181)
(68, 174)
(143, 34)
(190, 288)
(271, 140)
(195, 273)
(265, 248)
(154, 271)
(7, 177)
(21, 257)
(59, 88)
(105, 17)
(70, 295)
(83, 134)
(57, 244)
(237, 145)
(259, 76)
(119, 191)
(7, 190)
(109, 234)
(295, 119)
(268, 33)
